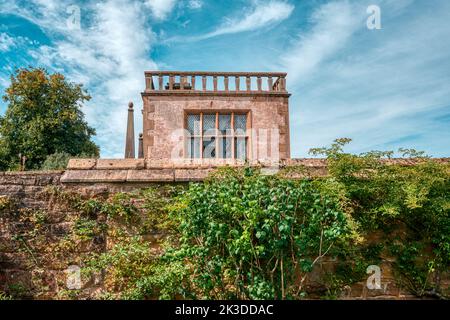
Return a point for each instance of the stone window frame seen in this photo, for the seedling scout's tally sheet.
(233, 135)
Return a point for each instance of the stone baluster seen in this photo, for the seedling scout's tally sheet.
(282, 84)
(215, 83)
(225, 82)
(149, 83)
(276, 86)
(237, 79)
(259, 83)
(248, 83)
(182, 82)
(204, 83)
(171, 81)
(160, 82)
(270, 83)
(193, 82)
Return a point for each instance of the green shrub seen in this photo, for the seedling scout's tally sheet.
(56, 161)
(59, 160)
(246, 235)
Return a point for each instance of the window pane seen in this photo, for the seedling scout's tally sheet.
(240, 148)
(193, 149)
(224, 123)
(193, 124)
(209, 147)
(209, 123)
(225, 148)
(240, 123)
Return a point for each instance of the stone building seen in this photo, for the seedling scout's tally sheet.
(213, 117)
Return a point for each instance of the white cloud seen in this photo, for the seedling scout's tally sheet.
(4, 82)
(195, 4)
(262, 14)
(6, 42)
(161, 8)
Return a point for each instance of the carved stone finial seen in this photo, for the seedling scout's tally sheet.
(130, 105)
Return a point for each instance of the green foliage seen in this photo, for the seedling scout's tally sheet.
(135, 271)
(56, 161)
(4, 296)
(245, 235)
(133, 266)
(17, 290)
(43, 118)
(7, 205)
(412, 200)
(414, 265)
(59, 160)
(87, 229)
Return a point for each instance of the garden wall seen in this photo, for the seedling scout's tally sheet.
(36, 270)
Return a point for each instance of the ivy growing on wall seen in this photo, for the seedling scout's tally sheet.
(241, 234)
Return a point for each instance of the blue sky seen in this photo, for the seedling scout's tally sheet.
(385, 88)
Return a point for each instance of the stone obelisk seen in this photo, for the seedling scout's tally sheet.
(129, 143)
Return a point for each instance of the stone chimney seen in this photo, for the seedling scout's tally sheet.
(129, 142)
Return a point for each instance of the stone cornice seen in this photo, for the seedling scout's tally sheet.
(193, 93)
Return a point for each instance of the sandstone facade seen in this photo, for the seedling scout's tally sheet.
(166, 109)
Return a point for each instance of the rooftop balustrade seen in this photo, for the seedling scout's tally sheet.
(215, 82)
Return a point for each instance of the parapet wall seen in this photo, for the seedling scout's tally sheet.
(141, 171)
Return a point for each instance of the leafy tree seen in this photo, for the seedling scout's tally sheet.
(43, 117)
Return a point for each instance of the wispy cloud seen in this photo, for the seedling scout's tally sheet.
(6, 42)
(261, 14)
(195, 4)
(333, 25)
(161, 8)
(379, 87)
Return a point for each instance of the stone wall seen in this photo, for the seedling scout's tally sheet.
(20, 192)
(28, 193)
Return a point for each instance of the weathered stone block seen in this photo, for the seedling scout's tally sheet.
(158, 164)
(150, 175)
(120, 164)
(191, 174)
(90, 176)
(11, 190)
(81, 164)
